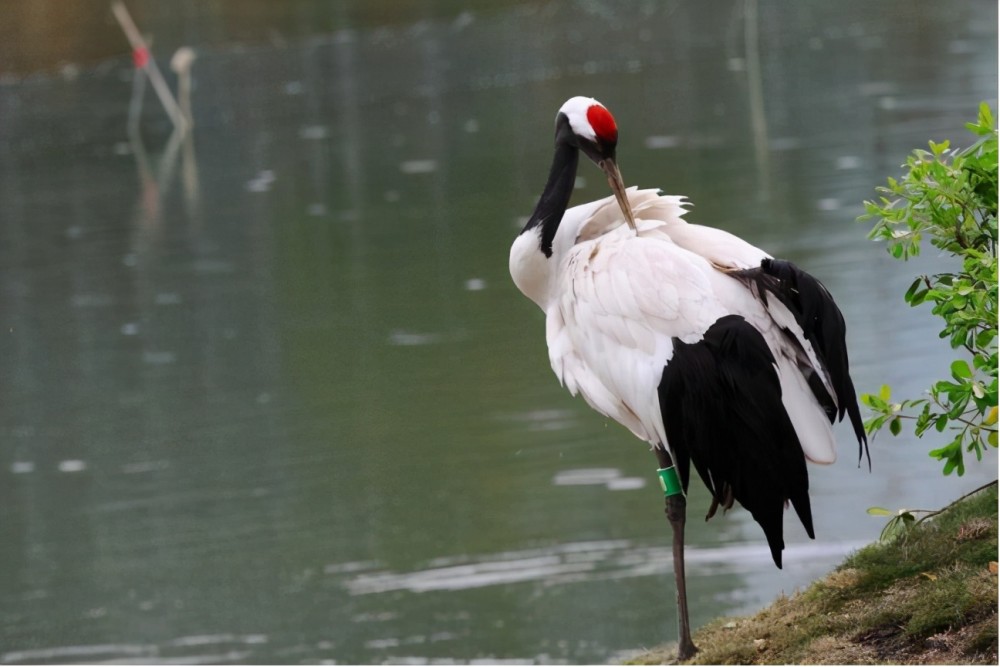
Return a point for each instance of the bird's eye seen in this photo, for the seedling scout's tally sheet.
(603, 123)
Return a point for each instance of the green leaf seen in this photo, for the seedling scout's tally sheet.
(914, 286)
(918, 298)
(958, 407)
(885, 392)
(938, 149)
(943, 386)
(960, 369)
(879, 511)
(893, 529)
(949, 450)
(941, 422)
(895, 426)
(949, 466)
(985, 117)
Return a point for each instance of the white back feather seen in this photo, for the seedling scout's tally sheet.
(613, 307)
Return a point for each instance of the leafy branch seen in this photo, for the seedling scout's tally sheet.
(949, 197)
(904, 519)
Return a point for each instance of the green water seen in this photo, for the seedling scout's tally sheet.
(270, 395)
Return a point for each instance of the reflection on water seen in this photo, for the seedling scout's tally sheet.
(270, 396)
(578, 562)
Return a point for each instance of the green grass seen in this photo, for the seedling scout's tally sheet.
(928, 596)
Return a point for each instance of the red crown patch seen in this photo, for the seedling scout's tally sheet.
(603, 123)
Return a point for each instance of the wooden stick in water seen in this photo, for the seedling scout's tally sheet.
(152, 71)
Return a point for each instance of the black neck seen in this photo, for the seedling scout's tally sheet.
(555, 197)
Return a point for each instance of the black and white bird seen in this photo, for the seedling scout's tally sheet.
(699, 343)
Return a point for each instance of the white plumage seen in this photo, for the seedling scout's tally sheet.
(614, 299)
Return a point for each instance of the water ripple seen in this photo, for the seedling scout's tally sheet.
(224, 648)
(582, 561)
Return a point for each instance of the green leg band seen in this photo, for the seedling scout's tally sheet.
(670, 482)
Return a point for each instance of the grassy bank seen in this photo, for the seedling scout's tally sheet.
(929, 597)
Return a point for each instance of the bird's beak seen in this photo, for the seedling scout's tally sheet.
(610, 167)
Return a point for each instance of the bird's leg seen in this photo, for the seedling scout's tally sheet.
(676, 508)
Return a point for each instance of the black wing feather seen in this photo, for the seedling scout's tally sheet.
(720, 399)
(822, 324)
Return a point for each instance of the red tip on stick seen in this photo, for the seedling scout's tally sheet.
(140, 57)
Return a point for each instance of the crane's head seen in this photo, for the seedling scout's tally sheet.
(585, 123)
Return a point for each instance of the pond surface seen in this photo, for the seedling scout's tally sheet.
(269, 394)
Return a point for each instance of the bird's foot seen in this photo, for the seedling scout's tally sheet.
(686, 650)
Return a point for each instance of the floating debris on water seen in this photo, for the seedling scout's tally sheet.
(475, 284)
(611, 478)
(545, 420)
(418, 166)
(72, 465)
(586, 476)
(77, 653)
(167, 299)
(204, 640)
(375, 617)
(314, 132)
(159, 357)
(848, 162)
(261, 182)
(22, 467)
(351, 566)
(626, 483)
(409, 338)
(659, 142)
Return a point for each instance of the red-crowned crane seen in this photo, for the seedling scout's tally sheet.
(702, 345)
